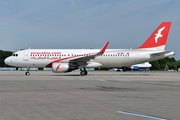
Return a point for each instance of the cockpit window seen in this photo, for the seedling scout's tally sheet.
(15, 55)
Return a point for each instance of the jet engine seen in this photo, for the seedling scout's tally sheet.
(61, 67)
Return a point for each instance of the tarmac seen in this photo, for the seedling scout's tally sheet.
(104, 95)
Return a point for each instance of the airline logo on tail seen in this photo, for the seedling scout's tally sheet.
(157, 40)
(159, 34)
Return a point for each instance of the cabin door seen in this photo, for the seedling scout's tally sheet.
(26, 56)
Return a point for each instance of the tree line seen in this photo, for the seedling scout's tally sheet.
(156, 65)
(171, 63)
(3, 55)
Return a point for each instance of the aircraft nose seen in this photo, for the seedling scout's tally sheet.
(7, 61)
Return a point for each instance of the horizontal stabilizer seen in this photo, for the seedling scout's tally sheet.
(165, 53)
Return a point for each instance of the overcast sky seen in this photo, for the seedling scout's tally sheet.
(86, 23)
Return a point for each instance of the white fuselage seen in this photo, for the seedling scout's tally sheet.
(110, 58)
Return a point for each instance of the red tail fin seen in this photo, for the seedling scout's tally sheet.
(158, 38)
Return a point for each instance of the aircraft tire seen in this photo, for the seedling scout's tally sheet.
(124, 69)
(86, 72)
(27, 73)
(83, 73)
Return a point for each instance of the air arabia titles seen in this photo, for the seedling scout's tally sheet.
(45, 55)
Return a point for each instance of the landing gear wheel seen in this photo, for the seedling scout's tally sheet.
(86, 72)
(27, 73)
(83, 73)
(124, 69)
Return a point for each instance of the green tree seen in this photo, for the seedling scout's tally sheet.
(170, 62)
(155, 65)
(3, 55)
(162, 63)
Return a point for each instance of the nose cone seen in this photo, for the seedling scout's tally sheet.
(7, 61)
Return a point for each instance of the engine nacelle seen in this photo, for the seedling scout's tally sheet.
(61, 67)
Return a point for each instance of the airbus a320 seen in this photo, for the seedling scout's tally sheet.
(67, 60)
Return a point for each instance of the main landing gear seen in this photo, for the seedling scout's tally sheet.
(27, 73)
(83, 72)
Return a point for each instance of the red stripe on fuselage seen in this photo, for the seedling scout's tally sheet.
(59, 60)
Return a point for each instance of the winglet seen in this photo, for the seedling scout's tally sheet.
(103, 49)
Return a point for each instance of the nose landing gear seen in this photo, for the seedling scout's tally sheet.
(27, 73)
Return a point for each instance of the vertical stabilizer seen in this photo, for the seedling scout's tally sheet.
(158, 38)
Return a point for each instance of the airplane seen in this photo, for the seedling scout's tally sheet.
(142, 65)
(132, 67)
(67, 60)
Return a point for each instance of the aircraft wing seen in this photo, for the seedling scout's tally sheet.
(82, 60)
